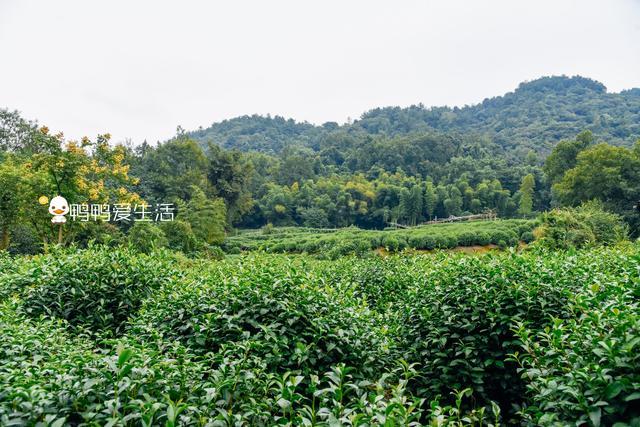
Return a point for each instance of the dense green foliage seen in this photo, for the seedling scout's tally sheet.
(97, 290)
(587, 225)
(543, 338)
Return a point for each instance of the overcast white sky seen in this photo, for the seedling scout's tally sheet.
(137, 69)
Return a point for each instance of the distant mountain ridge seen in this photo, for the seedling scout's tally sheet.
(536, 115)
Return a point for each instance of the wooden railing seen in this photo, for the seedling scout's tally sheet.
(486, 216)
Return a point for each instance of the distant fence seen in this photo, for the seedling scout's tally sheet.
(487, 216)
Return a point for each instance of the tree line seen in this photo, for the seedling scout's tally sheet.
(367, 183)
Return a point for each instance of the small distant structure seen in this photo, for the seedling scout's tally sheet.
(395, 224)
(489, 215)
(485, 216)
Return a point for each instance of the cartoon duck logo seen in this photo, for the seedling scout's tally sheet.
(58, 208)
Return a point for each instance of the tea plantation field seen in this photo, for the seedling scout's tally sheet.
(107, 336)
(333, 243)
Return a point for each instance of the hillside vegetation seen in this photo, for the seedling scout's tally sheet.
(536, 115)
(393, 166)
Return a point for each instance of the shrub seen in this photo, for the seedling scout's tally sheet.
(279, 312)
(441, 242)
(467, 238)
(48, 377)
(310, 247)
(586, 225)
(458, 325)
(179, 236)
(482, 238)
(451, 242)
(586, 369)
(97, 289)
(391, 243)
(527, 237)
(503, 238)
(267, 229)
(552, 337)
(24, 241)
(145, 237)
(234, 250)
(415, 242)
(213, 252)
(98, 232)
(362, 247)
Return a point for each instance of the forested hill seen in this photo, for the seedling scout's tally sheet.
(534, 116)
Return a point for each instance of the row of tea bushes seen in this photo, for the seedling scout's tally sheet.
(50, 377)
(334, 244)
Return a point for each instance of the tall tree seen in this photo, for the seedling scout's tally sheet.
(411, 204)
(430, 199)
(527, 188)
(603, 172)
(208, 217)
(229, 175)
(564, 156)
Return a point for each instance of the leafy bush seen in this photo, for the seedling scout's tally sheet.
(482, 238)
(586, 225)
(527, 237)
(50, 378)
(277, 311)
(97, 289)
(439, 236)
(458, 327)
(267, 229)
(146, 237)
(586, 369)
(102, 233)
(467, 238)
(24, 241)
(212, 252)
(179, 236)
(391, 243)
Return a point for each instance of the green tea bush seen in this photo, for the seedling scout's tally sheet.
(504, 238)
(382, 282)
(7, 262)
(527, 237)
(586, 369)
(457, 326)
(483, 238)
(96, 289)
(50, 378)
(428, 242)
(391, 243)
(280, 312)
(467, 238)
(212, 252)
(442, 236)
